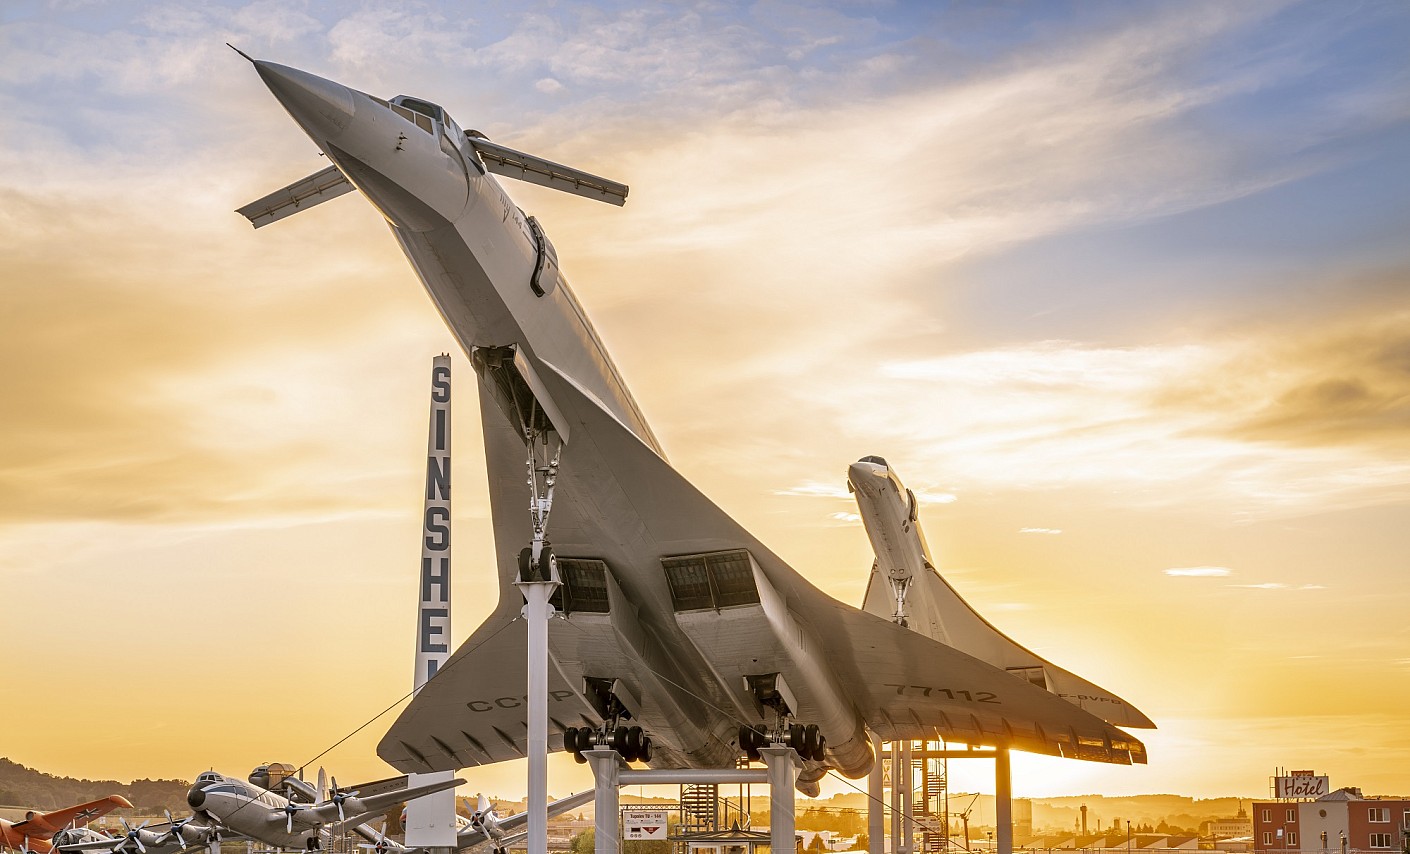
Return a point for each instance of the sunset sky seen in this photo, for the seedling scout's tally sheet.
(1122, 290)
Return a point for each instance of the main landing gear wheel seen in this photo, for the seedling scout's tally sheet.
(632, 742)
(807, 740)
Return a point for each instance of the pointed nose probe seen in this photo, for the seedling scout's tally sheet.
(865, 476)
(323, 108)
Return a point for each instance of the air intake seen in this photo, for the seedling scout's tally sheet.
(711, 581)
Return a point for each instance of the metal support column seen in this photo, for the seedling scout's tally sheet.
(606, 768)
(895, 799)
(537, 613)
(1003, 802)
(906, 780)
(876, 802)
(784, 765)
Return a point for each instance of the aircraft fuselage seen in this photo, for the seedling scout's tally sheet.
(251, 811)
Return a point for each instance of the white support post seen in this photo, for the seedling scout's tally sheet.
(537, 613)
(906, 780)
(895, 797)
(876, 802)
(606, 768)
(783, 764)
(1003, 802)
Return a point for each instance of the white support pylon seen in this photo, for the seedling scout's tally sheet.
(876, 802)
(537, 612)
(1003, 802)
(606, 766)
(784, 765)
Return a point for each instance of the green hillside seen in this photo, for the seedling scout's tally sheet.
(25, 787)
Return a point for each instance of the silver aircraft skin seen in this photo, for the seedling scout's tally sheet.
(242, 808)
(905, 587)
(485, 829)
(169, 837)
(671, 612)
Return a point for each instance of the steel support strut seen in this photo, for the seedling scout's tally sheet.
(543, 456)
(1003, 802)
(905, 778)
(876, 803)
(537, 612)
(784, 765)
(606, 766)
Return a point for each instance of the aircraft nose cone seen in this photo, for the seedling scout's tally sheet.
(866, 477)
(321, 106)
(196, 797)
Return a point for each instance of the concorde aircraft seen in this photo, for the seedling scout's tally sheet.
(683, 639)
(906, 588)
(36, 829)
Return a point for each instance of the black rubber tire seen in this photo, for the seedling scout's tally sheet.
(631, 751)
(810, 741)
(795, 738)
(746, 739)
(526, 560)
(547, 560)
(821, 754)
(570, 740)
(644, 754)
(579, 758)
(619, 739)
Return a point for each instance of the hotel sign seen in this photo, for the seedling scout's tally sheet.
(1300, 784)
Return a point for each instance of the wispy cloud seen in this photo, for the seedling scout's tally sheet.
(1051, 531)
(1199, 572)
(1275, 585)
(816, 490)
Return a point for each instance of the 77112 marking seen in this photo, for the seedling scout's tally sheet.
(967, 696)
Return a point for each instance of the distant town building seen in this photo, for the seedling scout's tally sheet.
(1237, 827)
(1340, 821)
(1022, 818)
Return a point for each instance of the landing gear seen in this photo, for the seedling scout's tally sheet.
(542, 569)
(543, 446)
(611, 699)
(900, 587)
(770, 691)
(632, 742)
(807, 740)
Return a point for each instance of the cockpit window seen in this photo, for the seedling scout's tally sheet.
(209, 777)
(416, 105)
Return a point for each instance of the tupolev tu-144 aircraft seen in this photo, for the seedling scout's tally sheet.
(683, 640)
(906, 588)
